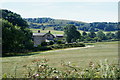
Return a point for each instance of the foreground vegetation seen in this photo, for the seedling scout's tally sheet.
(80, 57)
(41, 69)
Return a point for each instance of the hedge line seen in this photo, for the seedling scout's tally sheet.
(70, 45)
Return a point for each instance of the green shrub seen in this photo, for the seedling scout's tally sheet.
(69, 45)
(51, 43)
(59, 42)
(44, 44)
(42, 48)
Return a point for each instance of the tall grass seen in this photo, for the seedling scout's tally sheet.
(41, 69)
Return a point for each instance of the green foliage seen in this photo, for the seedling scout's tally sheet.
(84, 33)
(117, 35)
(14, 18)
(70, 45)
(51, 43)
(59, 24)
(110, 35)
(101, 35)
(44, 44)
(71, 33)
(92, 34)
(16, 36)
(59, 42)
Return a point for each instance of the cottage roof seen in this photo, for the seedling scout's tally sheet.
(39, 34)
(58, 35)
(42, 34)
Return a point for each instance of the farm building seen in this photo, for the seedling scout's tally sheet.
(45, 37)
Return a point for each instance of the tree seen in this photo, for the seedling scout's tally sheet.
(117, 35)
(101, 35)
(110, 35)
(71, 33)
(84, 33)
(92, 35)
(91, 29)
(14, 18)
(16, 36)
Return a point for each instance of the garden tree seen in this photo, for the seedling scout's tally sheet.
(16, 36)
(71, 33)
(92, 34)
(101, 35)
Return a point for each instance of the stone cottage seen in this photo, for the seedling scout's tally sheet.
(44, 37)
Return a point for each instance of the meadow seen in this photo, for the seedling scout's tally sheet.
(60, 32)
(80, 57)
(47, 30)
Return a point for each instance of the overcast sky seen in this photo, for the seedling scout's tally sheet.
(87, 11)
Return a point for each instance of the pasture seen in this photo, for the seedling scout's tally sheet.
(45, 31)
(60, 32)
(80, 57)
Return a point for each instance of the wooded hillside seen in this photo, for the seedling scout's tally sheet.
(59, 24)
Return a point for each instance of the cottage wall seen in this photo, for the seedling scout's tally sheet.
(38, 40)
(40, 37)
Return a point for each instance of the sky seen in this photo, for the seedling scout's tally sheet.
(85, 11)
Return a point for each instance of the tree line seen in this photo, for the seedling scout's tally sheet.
(72, 35)
(57, 24)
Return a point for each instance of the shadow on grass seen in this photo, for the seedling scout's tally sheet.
(22, 54)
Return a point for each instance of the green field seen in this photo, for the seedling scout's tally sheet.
(47, 30)
(59, 32)
(80, 57)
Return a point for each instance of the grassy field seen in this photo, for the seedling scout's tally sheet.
(47, 30)
(59, 32)
(80, 57)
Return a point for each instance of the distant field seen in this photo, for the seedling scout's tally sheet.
(49, 29)
(80, 57)
(45, 31)
(59, 32)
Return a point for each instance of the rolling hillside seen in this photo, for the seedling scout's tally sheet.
(59, 24)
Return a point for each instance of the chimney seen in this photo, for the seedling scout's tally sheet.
(38, 31)
(49, 32)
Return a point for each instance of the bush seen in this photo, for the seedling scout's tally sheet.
(70, 45)
(42, 48)
(44, 44)
(59, 42)
(51, 43)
